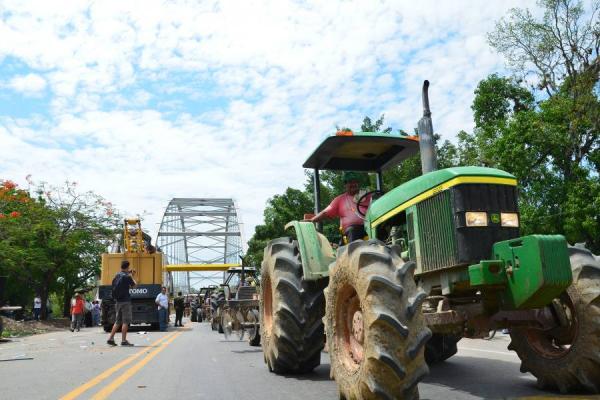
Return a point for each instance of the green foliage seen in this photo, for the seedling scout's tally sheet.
(55, 242)
(551, 145)
(368, 125)
(281, 209)
(563, 45)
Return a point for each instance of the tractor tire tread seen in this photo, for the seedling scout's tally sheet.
(296, 338)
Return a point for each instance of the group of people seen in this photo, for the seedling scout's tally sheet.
(78, 309)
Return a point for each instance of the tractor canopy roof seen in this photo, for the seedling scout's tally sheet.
(362, 151)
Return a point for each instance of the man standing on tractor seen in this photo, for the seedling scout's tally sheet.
(346, 207)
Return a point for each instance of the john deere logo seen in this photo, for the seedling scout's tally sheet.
(495, 218)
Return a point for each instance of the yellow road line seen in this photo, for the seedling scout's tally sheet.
(96, 380)
(107, 391)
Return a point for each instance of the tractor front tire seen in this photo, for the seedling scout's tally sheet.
(220, 320)
(569, 362)
(376, 334)
(440, 348)
(291, 311)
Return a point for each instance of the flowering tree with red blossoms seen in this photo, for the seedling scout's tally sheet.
(51, 239)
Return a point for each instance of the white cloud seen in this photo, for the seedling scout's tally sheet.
(271, 78)
(29, 85)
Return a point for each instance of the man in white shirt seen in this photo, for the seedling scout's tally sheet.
(37, 307)
(162, 301)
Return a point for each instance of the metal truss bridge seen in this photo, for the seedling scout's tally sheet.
(201, 238)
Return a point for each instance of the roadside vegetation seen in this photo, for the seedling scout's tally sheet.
(51, 240)
(541, 123)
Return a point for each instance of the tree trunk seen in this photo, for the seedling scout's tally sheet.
(44, 310)
(67, 294)
(44, 294)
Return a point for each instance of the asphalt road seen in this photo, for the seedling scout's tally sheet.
(194, 362)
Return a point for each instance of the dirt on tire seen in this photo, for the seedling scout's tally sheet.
(291, 311)
(375, 331)
(575, 366)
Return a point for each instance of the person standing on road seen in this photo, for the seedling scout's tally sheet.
(179, 304)
(37, 307)
(95, 313)
(121, 284)
(162, 301)
(77, 310)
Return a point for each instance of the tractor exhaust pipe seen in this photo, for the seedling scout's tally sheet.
(426, 142)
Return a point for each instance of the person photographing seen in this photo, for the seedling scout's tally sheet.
(122, 282)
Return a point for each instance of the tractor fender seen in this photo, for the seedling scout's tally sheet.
(316, 252)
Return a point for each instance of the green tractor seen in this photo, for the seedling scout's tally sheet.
(444, 260)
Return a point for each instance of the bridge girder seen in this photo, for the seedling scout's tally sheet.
(198, 231)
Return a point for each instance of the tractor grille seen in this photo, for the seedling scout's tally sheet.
(436, 232)
(485, 197)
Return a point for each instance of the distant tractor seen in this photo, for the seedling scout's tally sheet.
(239, 311)
(148, 265)
(444, 260)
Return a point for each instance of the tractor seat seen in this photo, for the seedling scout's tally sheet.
(245, 293)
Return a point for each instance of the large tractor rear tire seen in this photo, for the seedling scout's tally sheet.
(291, 311)
(567, 358)
(376, 334)
(440, 348)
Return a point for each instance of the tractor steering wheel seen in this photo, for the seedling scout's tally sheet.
(373, 193)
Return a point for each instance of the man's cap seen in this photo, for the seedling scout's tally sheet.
(349, 176)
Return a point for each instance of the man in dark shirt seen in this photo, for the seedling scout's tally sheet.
(179, 304)
(122, 282)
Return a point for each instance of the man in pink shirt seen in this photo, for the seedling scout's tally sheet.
(346, 208)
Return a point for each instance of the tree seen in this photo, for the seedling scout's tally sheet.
(368, 125)
(87, 225)
(551, 145)
(563, 45)
(280, 209)
(53, 240)
(559, 190)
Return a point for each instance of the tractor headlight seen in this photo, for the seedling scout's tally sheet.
(476, 218)
(509, 220)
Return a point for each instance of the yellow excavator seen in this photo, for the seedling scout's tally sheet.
(148, 264)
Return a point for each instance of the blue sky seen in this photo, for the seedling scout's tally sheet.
(144, 101)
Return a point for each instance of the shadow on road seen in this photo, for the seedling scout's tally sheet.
(485, 378)
(247, 351)
(321, 373)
